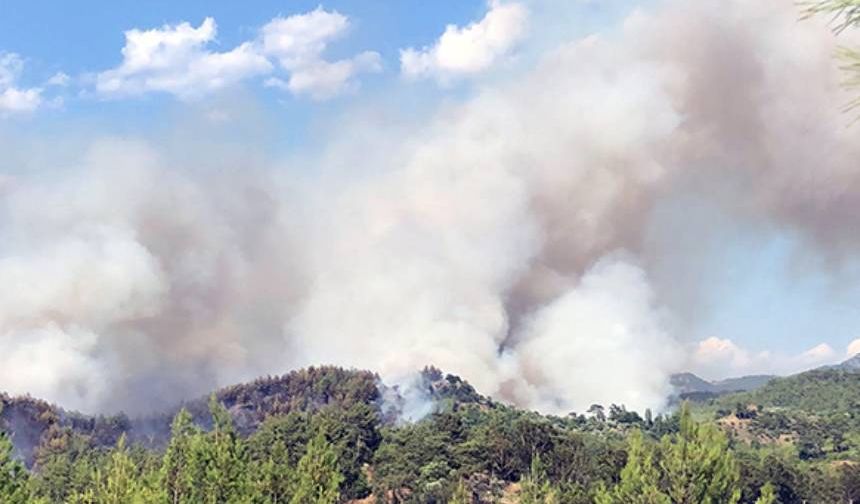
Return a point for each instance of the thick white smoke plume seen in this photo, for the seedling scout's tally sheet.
(514, 239)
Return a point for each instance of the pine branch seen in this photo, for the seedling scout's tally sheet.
(845, 13)
(851, 66)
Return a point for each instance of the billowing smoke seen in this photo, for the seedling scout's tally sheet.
(516, 239)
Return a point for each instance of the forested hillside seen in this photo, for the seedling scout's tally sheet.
(690, 386)
(32, 421)
(334, 435)
(814, 415)
(820, 391)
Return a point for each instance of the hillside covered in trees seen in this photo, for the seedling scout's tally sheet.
(816, 414)
(334, 435)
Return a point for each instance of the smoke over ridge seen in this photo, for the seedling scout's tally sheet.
(514, 239)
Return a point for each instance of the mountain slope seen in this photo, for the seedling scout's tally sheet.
(820, 391)
(690, 386)
(852, 364)
(686, 383)
(816, 413)
(32, 422)
(742, 383)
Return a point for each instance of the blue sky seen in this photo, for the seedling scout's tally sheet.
(289, 79)
(82, 39)
(86, 36)
(769, 301)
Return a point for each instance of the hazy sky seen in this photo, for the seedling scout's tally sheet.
(739, 265)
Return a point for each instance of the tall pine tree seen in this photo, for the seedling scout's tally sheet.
(317, 477)
(179, 467)
(274, 475)
(226, 478)
(694, 466)
(698, 465)
(536, 487)
(14, 488)
(119, 481)
(640, 478)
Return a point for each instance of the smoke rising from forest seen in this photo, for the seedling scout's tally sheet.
(514, 239)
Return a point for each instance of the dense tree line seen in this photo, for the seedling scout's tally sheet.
(340, 440)
(469, 453)
(278, 464)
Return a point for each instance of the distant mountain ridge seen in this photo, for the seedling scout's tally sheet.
(756, 387)
(818, 403)
(686, 384)
(852, 364)
(690, 385)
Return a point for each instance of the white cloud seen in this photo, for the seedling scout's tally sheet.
(853, 348)
(10, 68)
(719, 358)
(323, 80)
(818, 354)
(59, 79)
(469, 50)
(723, 351)
(20, 100)
(13, 98)
(298, 41)
(175, 59)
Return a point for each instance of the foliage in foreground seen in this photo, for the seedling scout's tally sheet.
(693, 466)
(326, 447)
(469, 454)
(844, 14)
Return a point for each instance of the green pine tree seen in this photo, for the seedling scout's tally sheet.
(767, 495)
(697, 464)
(14, 484)
(640, 478)
(536, 487)
(274, 475)
(461, 494)
(694, 466)
(66, 466)
(317, 478)
(119, 481)
(179, 464)
(118, 484)
(225, 478)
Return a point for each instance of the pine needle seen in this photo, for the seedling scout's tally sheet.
(845, 13)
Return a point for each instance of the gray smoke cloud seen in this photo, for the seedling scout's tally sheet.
(518, 238)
